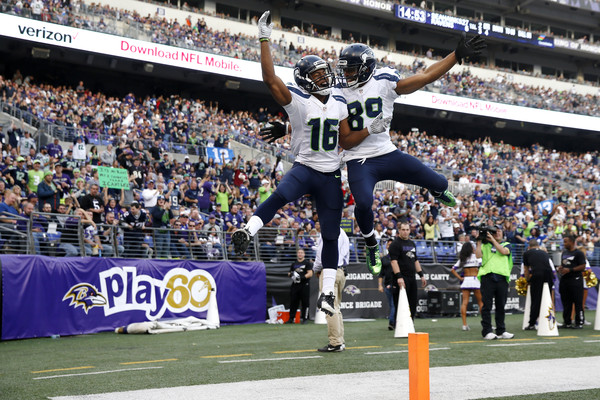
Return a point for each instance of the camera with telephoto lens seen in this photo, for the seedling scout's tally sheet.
(483, 231)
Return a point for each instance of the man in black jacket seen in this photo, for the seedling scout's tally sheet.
(537, 272)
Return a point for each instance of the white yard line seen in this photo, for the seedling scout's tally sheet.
(94, 373)
(447, 383)
(370, 353)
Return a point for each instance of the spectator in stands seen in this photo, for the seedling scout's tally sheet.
(190, 196)
(108, 233)
(93, 203)
(133, 223)
(180, 239)
(150, 195)
(26, 143)
(162, 218)
(48, 192)
(35, 176)
(107, 157)
(55, 150)
(69, 233)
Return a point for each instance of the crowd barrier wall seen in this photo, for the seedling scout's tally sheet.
(44, 296)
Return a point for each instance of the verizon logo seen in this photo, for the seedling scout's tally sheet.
(45, 34)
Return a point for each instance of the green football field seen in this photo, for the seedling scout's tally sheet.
(107, 362)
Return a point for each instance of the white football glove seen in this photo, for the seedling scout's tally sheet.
(264, 30)
(379, 124)
(296, 277)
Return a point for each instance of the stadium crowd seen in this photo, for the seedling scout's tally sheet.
(196, 35)
(533, 192)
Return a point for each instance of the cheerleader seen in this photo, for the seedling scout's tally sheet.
(468, 278)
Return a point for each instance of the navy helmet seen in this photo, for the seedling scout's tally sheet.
(356, 65)
(304, 69)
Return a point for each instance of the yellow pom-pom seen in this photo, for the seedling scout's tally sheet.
(521, 286)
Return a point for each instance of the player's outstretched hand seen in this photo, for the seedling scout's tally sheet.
(274, 131)
(264, 29)
(379, 124)
(469, 48)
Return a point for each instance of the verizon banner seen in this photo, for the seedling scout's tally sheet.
(43, 296)
(96, 42)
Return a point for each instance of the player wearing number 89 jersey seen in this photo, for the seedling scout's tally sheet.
(372, 158)
(365, 104)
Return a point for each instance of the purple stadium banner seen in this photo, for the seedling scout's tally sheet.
(44, 296)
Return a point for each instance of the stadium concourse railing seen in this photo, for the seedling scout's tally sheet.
(64, 235)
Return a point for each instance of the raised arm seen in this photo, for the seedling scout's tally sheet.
(278, 90)
(465, 49)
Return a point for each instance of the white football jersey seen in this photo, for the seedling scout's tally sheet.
(365, 103)
(315, 128)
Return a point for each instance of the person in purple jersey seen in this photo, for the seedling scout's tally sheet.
(55, 150)
(61, 179)
(205, 189)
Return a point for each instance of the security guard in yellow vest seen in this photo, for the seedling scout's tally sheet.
(494, 274)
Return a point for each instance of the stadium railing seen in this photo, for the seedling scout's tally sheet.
(15, 234)
(67, 235)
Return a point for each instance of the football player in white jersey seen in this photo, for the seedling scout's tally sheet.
(372, 158)
(316, 117)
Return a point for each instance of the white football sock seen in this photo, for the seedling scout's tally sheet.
(328, 279)
(254, 225)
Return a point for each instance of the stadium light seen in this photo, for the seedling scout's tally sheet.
(234, 85)
(37, 52)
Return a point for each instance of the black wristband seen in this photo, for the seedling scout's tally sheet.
(420, 273)
(398, 275)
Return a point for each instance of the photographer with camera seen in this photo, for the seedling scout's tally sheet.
(301, 271)
(494, 274)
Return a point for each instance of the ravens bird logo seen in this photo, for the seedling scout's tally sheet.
(351, 290)
(86, 296)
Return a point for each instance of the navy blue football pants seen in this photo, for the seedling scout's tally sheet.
(326, 190)
(396, 166)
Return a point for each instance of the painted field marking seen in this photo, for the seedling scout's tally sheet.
(95, 373)
(228, 355)
(371, 353)
(363, 347)
(521, 340)
(517, 344)
(269, 359)
(294, 351)
(147, 362)
(564, 337)
(591, 341)
(61, 369)
(469, 341)
(595, 335)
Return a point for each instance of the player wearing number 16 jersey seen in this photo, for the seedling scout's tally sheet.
(316, 115)
(370, 92)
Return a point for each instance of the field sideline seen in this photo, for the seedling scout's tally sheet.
(104, 363)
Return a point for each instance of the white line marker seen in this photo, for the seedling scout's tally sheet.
(518, 344)
(268, 359)
(591, 341)
(401, 351)
(95, 373)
